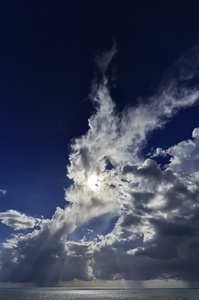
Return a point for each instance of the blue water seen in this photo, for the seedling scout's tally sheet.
(62, 294)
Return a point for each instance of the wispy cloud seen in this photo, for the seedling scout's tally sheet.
(104, 59)
(155, 235)
(2, 192)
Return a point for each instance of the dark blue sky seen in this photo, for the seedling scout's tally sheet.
(48, 51)
(47, 59)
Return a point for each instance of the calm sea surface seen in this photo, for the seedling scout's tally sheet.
(62, 294)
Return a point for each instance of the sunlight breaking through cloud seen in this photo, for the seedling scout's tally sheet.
(94, 182)
(153, 210)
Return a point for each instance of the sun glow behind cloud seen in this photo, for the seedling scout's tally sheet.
(94, 182)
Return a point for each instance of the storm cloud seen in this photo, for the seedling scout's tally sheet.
(153, 210)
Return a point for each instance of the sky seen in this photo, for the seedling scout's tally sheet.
(99, 130)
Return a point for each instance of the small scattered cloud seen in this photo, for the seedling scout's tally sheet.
(18, 221)
(3, 192)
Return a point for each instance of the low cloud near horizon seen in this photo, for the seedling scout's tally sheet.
(138, 220)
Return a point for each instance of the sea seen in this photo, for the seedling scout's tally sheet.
(95, 294)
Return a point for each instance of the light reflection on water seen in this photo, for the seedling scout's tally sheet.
(67, 294)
